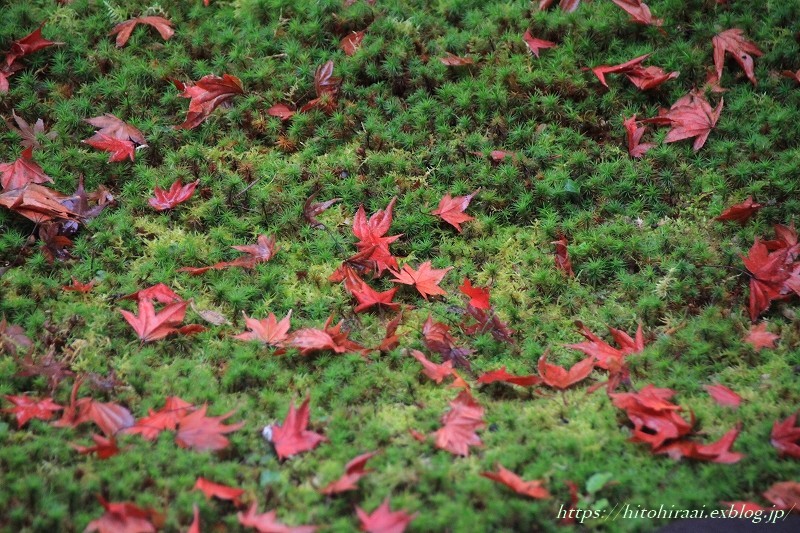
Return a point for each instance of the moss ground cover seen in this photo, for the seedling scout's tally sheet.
(642, 240)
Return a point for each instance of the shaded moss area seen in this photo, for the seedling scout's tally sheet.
(642, 239)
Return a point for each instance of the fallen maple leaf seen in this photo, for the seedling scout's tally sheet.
(351, 42)
(532, 489)
(784, 495)
(436, 372)
(366, 295)
(503, 376)
(478, 296)
(451, 210)
(768, 276)
(310, 340)
(426, 279)
(27, 45)
(312, 209)
(791, 75)
(733, 42)
(561, 257)
(47, 366)
(204, 433)
(601, 70)
(177, 194)
(215, 490)
(194, 527)
(77, 286)
(716, 452)
(111, 418)
(639, 12)
(22, 172)
(636, 148)
(158, 292)
(740, 212)
(282, 111)
(758, 337)
(267, 330)
(151, 326)
(390, 338)
(29, 133)
(785, 437)
(111, 126)
(459, 424)
(260, 252)
(38, 203)
(166, 418)
(606, 356)
(692, 116)
(123, 29)
(566, 5)
(268, 522)
(292, 437)
(104, 447)
(123, 517)
(452, 60)
(120, 150)
(535, 44)
(28, 408)
(654, 416)
(384, 520)
(354, 471)
(370, 233)
(326, 86)
(724, 396)
(206, 95)
(559, 378)
(437, 338)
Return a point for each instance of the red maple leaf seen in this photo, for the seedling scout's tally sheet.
(28, 408)
(30, 133)
(723, 395)
(282, 111)
(740, 212)
(559, 378)
(784, 495)
(353, 471)
(194, 527)
(390, 338)
(384, 520)
(768, 276)
(436, 372)
(310, 340)
(606, 356)
(655, 418)
(312, 209)
(351, 42)
(451, 210)
(327, 87)
(535, 44)
(566, 5)
(260, 252)
(206, 95)
(426, 279)
(366, 295)
(785, 436)
(123, 517)
(267, 330)
(645, 78)
(503, 376)
(268, 522)
(292, 437)
(27, 45)
(158, 292)
(459, 424)
(166, 418)
(200, 432)
(22, 172)
(77, 286)
(371, 236)
(104, 447)
(733, 42)
(532, 489)
(759, 337)
(691, 116)
(111, 126)
(119, 149)
(109, 417)
(636, 148)
(561, 257)
(151, 326)
(716, 452)
(215, 490)
(437, 338)
(478, 296)
(452, 60)
(601, 70)
(177, 194)
(123, 29)
(639, 12)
